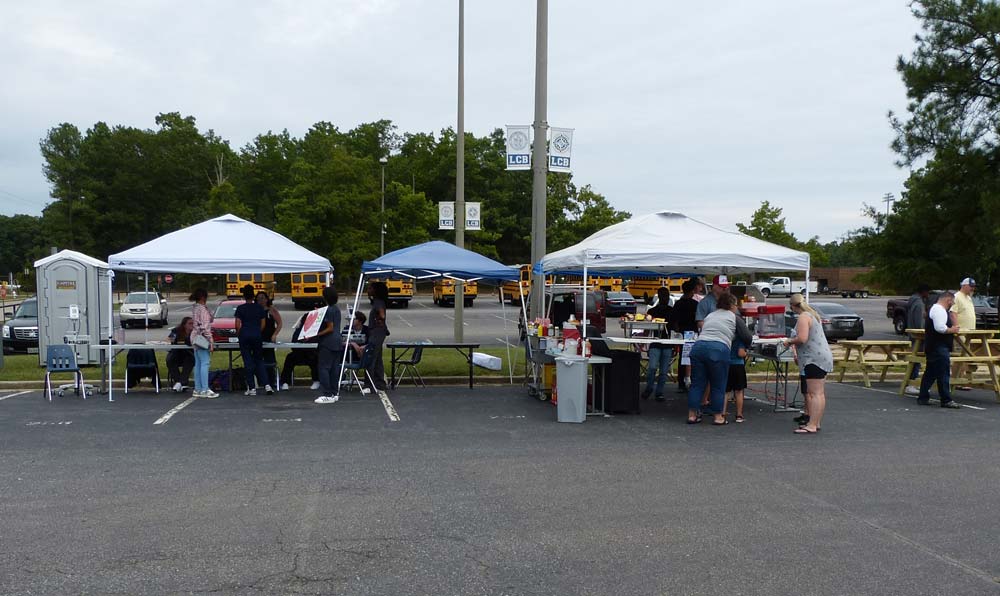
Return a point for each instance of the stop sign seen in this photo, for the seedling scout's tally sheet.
(168, 278)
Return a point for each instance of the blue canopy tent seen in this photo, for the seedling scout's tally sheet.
(434, 260)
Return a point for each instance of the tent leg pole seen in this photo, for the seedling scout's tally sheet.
(110, 358)
(343, 360)
(506, 336)
(586, 294)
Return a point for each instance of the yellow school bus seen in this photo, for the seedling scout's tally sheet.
(509, 290)
(644, 288)
(607, 284)
(400, 290)
(261, 282)
(307, 289)
(444, 292)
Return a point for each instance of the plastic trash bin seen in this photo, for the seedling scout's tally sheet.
(571, 380)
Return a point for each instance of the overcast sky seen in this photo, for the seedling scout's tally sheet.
(704, 108)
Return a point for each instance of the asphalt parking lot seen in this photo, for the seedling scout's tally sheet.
(481, 492)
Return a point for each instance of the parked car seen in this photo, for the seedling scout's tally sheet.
(620, 303)
(20, 334)
(224, 323)
(986, 311)
(839, 322)
(133, 309)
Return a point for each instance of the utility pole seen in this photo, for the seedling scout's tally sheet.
(888, 199)
(383, 160)
(539, 163)
(460, 172)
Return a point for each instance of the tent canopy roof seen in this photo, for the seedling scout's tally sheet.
(439, 259)
(226, 244)
(73, 256)
(668, 242)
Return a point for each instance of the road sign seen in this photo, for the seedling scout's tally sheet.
(168, 278)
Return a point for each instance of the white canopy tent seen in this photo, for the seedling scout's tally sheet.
(669, 242)
(225, 244)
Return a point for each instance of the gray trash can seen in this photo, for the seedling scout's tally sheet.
(571, 384)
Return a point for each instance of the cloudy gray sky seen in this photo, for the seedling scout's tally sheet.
(704, 108)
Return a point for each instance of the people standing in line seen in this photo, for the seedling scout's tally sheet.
(737, 380)
(965, 318)
(272, 327)
(329, 349)
(939, 339)
(660, 355)
(250, 321)
(815, 360)
(720, 286)
(378, 292)
(684, 319)
(202, 356)
(299, 357)
(710, 358)
(180, 362)
(916, 315)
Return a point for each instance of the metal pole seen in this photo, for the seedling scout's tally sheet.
(539, 166)
(460, 171)
(382, 161)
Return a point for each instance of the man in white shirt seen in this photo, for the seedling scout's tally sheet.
(939, 339)
(965, 317)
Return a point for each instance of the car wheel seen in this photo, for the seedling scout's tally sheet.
(468, 303)
(406, 304)
(899, 325)
(766, 292)
(864, 294)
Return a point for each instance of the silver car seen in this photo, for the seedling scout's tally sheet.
(134, 309)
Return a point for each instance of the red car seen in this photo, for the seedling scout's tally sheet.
(224, 324)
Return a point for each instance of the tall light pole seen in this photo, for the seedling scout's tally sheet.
(888, 199)
(539, 165)
(383, 161)
(460, 171)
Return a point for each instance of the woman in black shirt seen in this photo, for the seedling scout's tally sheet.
(180, 362)
(378, 292)
(683, 319)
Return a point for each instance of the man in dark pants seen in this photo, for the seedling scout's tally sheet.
(660, 355)
(938, 343)
(329, 350)
(916, 311)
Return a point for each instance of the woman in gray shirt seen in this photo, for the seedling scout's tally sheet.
(710, 358)
(815, 360)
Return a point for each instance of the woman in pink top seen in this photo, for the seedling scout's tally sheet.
(202, 327)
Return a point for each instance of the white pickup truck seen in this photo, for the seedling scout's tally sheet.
(784, 285)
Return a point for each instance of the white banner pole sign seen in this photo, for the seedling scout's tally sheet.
(473, 217)
(560, 149)
(446, 215)
(518, 147)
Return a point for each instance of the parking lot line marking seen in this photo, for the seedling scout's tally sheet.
(453, 318)
(15, 395)
(390, 410)
(506, 343)
(400, 317)
(894, 393)
(163, 419)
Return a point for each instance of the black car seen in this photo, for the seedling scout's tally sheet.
(839, 322)
(20, 334)
(620, 303)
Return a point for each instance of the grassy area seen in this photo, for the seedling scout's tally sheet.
(434, 363)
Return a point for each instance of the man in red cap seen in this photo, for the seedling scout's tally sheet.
(720, 285)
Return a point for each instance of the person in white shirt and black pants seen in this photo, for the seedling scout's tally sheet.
(938, 342)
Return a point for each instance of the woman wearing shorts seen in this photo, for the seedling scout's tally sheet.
(815, 361)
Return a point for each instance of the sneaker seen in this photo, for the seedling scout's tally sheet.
(177, 387)
(210, 394)
(951, 405)
(923, 402)
(659, 397)
(268, 390)
(326, 399)
(365, 391)
(646, 393)
(250, 392)
(911, 390)
(315, 385)
(197, 394)
(284, 386)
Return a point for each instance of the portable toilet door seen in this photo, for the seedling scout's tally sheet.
(69, 304)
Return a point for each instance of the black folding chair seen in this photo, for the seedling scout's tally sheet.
(409, 368)
(142, 363)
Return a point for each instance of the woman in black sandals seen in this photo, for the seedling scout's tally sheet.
(815, 361)
(710, 358)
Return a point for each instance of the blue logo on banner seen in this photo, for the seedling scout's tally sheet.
(519, 159)
(558, 161)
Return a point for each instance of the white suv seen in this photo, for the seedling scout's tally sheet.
(133, 309)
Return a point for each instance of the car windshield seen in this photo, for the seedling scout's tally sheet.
(141, 298)
(832, 309)
(27, 310)
(980, 301)
(225, 311)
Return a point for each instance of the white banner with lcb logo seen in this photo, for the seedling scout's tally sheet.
(518, 147)
(473, 216)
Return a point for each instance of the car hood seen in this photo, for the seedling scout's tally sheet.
(22, 322)
(224, 323)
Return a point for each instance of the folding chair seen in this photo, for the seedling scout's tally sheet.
(62, 359)
(142, 363)
(410, 366)
(367, 358)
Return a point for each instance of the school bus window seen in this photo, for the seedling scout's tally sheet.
(310, 279)
(246, 277)
(296, 278)
(258, 277)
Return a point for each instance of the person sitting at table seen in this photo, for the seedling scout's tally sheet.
(180, 362)
(272, 327)
(683, 318)
(660, 355)
(710, 358)
(250, 320)
(299, 357)
(360, 331)
(815, 360)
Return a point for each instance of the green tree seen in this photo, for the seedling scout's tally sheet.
(767, 224)
(21, 243)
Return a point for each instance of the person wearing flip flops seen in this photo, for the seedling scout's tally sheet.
(812, 351)
(710, 358)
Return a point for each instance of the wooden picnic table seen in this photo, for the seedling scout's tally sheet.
(974, 347)
(860, 348)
